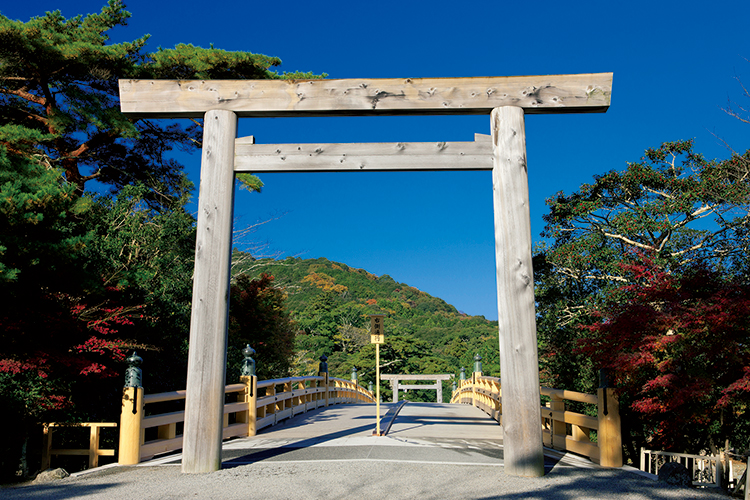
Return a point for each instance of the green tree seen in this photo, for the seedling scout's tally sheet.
(148, 254)
(258, 317)
(84, 280)
(39, 246)
(674, 209)
(673, 205)
(39, 238)
(59, 98)
(563, 305)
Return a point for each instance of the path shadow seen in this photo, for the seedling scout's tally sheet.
(57, 490)
(246, 457)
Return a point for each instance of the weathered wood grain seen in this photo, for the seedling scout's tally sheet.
(204, 402)
(582, 93)
(370, 157)
(519, 367)
(610, 433)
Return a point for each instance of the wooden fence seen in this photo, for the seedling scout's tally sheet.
(258, 404)
(705, 470)
(93, 451)
(598, 438)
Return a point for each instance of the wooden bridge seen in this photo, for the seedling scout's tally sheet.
(431, 451)
(314, 419)
(331, 409)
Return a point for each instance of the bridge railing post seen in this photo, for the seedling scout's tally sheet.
(609, 434)
(475, 394)
(287, 404)
(559, 427)
(323, 372)
(477, 365)
(131, 416)
(250, 394)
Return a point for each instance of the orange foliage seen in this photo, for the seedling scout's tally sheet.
(324, 282)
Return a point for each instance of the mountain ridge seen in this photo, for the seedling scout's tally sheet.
(331, 303)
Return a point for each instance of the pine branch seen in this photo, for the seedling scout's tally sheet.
(23, 94)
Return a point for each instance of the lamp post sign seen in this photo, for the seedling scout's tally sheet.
(376, 328)
(377, 337)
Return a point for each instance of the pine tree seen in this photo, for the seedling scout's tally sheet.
(59, 99)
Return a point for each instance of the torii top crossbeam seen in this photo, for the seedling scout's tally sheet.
(584, 93)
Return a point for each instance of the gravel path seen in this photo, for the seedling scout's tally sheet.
(360, 480)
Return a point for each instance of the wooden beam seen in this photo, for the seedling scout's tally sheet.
(519, 366)
(583, 93)
(370, 157)
(207, 355)
(410, 378)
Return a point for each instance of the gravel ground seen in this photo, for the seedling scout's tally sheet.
(359, 479)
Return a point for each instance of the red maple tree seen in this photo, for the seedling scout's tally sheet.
(677, 346)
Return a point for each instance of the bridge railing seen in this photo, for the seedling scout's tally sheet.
(286, 397)
(93, 451)
(597, 438)
(258, 404)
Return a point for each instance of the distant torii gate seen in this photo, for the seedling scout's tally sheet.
(505, 99)
(395, 381)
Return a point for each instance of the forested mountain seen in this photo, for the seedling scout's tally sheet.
(331, 303)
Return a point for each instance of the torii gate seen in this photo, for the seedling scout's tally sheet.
(505, 99)
(396, 385)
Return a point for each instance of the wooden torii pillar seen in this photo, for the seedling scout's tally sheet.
(505, 99)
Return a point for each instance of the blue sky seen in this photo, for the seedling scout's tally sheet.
(674, 66)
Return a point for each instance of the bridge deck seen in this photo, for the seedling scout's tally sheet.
(422, 432)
